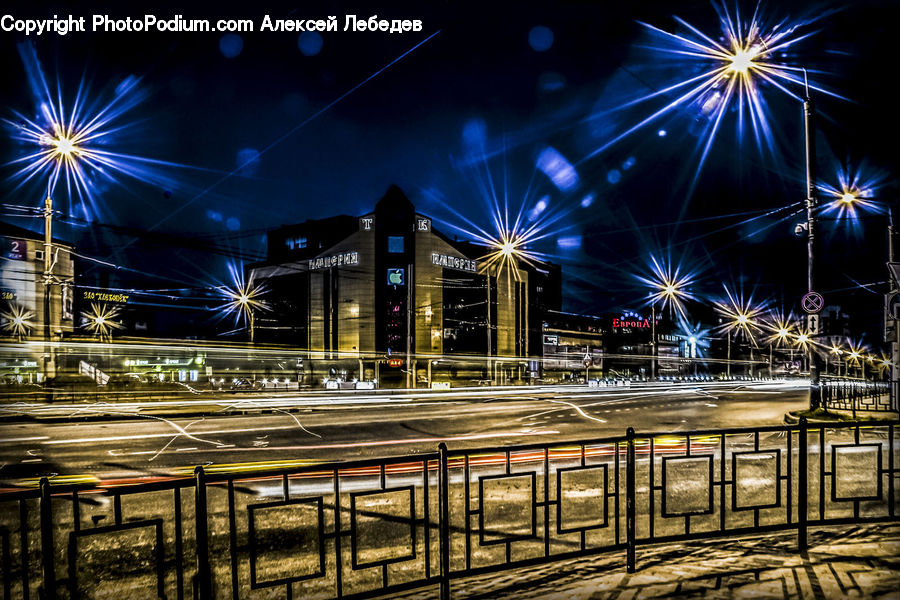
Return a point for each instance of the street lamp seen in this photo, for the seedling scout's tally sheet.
(837, 351)
(669, 287)
(780, 327)
(740, 318)
(18, 321)
(243, 300)
(815, 393)
(101, 320)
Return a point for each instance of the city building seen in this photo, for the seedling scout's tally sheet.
(572, 345)
(389, 284)
(27, 310)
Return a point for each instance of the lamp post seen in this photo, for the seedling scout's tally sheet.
(653, 342)
(243, 299)
(247, 308)
(812, 202)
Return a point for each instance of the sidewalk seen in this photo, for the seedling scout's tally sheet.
(842, 562)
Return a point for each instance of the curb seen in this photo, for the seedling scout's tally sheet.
(791, 418)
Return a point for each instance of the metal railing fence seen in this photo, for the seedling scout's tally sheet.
(857, 395)
(378, 527)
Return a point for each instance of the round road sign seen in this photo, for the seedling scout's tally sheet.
(812, 303)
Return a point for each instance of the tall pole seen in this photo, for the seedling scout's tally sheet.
(410, 312)
(728, 361)
(653, 343)
(49, 362)
(487, 275)
(895, 345)
(48, 262)
(811, 204)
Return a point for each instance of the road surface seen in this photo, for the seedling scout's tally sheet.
(293, 429)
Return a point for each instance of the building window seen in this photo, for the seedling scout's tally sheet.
(395, 244)
(296, 243)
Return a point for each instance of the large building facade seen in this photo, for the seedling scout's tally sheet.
(390, 283)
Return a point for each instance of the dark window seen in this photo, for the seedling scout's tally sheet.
(296, 243)
(395, 244)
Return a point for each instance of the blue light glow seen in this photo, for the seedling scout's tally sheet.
(310, 43)
(551, 82)
(555, 166)
(231, 45)
(569, 242)
(474, 134)
(587, 200)
(661, 133)
(614, 176)
(629, 162)
(540, 38)
(247, 161)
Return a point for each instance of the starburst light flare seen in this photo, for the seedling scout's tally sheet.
(241, 298)
(17, 321)
(669, 286)
(741, 316)
(100, 320)
(72, 142)
(729, 73)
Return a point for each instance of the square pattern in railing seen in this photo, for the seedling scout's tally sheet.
(382, 526)
(581, 498)
(856, 471)
(507, 508)
(757, 479)
(106, 549)
(287, 541)
(687, 485)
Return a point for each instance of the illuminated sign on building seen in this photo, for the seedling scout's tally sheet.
(396, 276)
(630, 320)
(13, 249)
(104, 296)
(423, 224)
(454, 262)
(366, 223)
(336, 260)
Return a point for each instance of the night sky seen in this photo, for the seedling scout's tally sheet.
(271, 128)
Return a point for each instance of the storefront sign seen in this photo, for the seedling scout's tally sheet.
(12, 249)
(105, 296)
(396, 276)
(336, 260)
(634, 322)
(454, 262)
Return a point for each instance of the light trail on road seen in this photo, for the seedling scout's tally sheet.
(328, 427)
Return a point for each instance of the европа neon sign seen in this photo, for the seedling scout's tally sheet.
(630, 320)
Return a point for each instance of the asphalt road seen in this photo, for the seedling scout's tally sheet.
(296, 429)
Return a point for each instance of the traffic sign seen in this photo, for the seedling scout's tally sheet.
(812, 324)
(812, 303)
